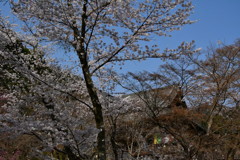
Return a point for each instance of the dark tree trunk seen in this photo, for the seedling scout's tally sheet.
(92, 91)
(230, 154)
(97, 109)
(113, 143)
(70, 154)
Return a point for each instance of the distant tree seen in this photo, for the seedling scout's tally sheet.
(218, 80)
(162, 105)
(210, 85)
(218, 90)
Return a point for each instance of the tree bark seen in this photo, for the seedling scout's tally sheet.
(97, 108)
(113, 136)
(92, 91)
(70, 154)
(230, 154)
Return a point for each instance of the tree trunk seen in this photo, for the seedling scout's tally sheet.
(97, 109)
(114, 146)
(70, 154)
(209, 124)
(230, 154)
(92, 91)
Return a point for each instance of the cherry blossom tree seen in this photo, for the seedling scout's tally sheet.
(103, 33)
(38, 99)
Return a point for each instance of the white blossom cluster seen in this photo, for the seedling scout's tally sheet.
(114, 30)
(42, 100)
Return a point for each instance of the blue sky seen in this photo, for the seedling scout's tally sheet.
(217, 20)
